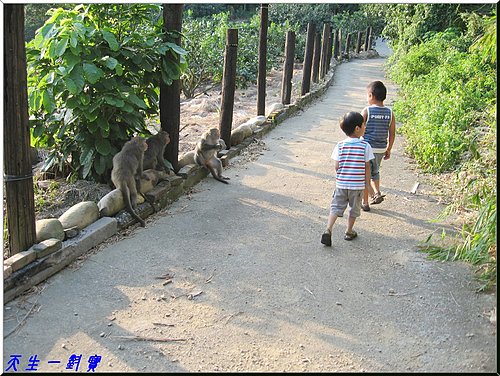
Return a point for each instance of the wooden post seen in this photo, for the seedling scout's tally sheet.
(324, 51)
(308, 55)
(261, 75)
(316, 57)
(340, 44)
(228, 86)
(329, 54)
(367, 37)
(347, 45)
(358, 42)
(286, 85)
(18, 178)
(370, 38)
(336, 44)
(170, 108)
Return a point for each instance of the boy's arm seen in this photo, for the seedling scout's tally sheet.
(392, 136)
(364, 113)
(367, 175)
(335, 157)
(368, 157)
(336, 165)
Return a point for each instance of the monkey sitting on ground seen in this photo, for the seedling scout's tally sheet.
(153, 157)
(205, 153)
(127, 171)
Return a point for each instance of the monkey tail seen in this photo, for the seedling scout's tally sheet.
(216, 175)
(128, 204)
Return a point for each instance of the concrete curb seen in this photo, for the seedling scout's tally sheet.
(39, 270)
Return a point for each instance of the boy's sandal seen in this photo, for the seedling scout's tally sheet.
(365, 207)
(350, 235)
(377, 199)
(326, 239)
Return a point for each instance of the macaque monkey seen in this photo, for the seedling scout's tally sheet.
(153, 157)
(205, 153)
(127, 172)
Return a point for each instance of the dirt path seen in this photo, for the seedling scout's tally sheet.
(252, 287)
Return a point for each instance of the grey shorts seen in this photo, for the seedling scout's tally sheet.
(375, 166)
(343, 197)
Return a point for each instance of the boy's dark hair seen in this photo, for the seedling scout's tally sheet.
(378, 90)
(350, 121)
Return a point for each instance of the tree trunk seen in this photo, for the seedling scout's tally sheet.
(20, 202)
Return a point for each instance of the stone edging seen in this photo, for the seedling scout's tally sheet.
(28, 268)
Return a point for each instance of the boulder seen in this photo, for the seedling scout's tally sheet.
(275, 107)
(256, 121)
(240, 133)
(50, 228)
(80, 215)
(113, 202)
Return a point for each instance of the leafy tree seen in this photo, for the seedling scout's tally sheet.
(93, 75)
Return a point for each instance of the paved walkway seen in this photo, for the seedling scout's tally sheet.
(252, 287)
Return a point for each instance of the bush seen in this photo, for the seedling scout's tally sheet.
(448, 111)
(444, 93)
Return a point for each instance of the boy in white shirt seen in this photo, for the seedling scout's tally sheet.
(352, 165)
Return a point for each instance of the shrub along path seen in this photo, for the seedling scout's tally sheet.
(234, 278)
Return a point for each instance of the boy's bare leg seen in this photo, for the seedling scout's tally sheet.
(375, 187)
(350, 223)
(365, 197)
(331, 221)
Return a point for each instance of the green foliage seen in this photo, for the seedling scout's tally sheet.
(486, 44)
(43, 197)
(408, 24)
(203, 41)
(350, 23)
(248, 48)
(35, 16)
(350, 18)
(93, 75)
(445, 91)
(205, 38)
(302, 14)
(448, 109)
(234, 11)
